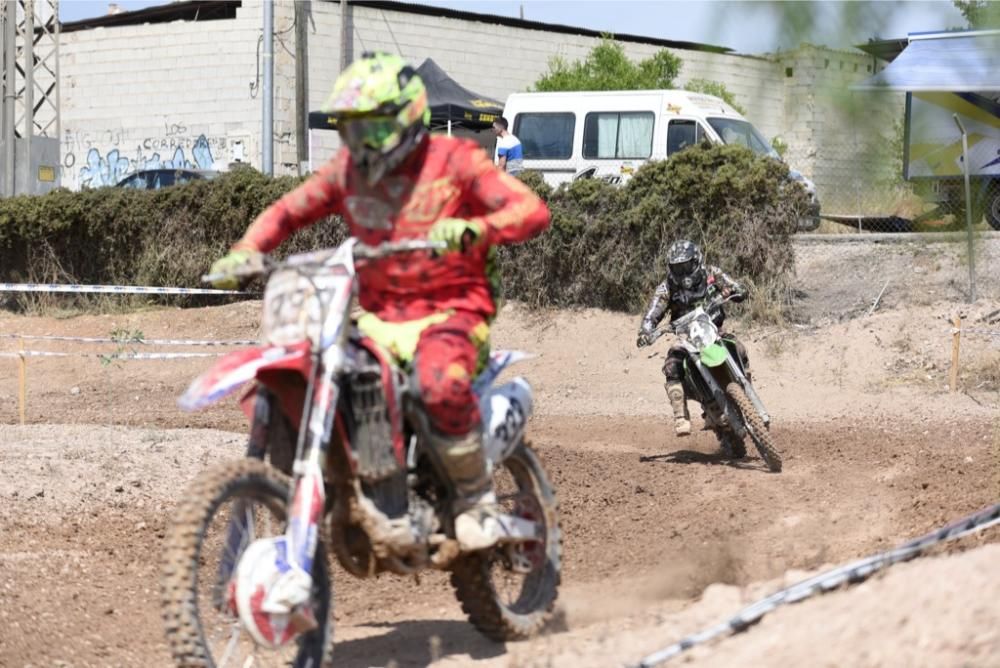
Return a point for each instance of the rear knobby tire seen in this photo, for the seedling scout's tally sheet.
(759, 433)
(472, 574)
(182, 556)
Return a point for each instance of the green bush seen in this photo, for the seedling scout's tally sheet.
(605, 248)
(135, 237)
(607, 245)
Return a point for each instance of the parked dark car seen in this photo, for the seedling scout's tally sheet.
(154, 179)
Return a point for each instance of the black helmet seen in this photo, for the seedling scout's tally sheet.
(684, 259)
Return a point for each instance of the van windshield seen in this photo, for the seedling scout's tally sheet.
(735, 131)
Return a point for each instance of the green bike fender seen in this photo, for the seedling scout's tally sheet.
(714, 355)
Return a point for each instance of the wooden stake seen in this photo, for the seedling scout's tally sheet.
(22, 382)
(956, 338)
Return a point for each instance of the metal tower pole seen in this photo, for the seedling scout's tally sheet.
(9, 93)
(268, 121)
(28, 46)
(302, 10)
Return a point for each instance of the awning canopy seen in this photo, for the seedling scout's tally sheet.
(884, 49)
(951, 61)
(319, 120)
(449, 102)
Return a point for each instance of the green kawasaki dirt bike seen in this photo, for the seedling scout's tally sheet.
(714, 377)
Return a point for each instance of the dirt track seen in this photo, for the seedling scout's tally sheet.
(82, 532)
(649, 521)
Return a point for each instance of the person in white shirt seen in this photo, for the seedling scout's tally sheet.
(510, 156)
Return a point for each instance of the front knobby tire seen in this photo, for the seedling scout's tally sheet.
(192, 548)
(479, 578)
(759, 433)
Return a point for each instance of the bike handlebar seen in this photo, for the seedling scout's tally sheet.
(674, 325)
(361, 252)
(365, 252)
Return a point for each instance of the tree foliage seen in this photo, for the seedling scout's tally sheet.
(607, 67)
(980, 13)
(717, 89)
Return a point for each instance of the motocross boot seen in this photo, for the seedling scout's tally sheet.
(682, 420)
(464, 460)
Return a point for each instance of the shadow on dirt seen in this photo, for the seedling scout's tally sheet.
(415, 643)
(708, 458)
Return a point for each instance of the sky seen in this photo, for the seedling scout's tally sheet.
(747, 27)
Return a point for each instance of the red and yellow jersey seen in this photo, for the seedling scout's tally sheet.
(444, 178)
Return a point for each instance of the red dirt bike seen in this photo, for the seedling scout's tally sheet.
(245, 573)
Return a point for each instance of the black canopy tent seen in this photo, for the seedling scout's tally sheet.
(319, 120)
(452, 105)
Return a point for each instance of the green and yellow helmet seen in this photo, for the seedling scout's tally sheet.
(381, 108)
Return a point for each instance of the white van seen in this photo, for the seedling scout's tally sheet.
(609, 134)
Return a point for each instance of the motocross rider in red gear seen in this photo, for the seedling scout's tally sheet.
(391, 181)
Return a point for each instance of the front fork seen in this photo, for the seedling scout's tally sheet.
(241, 523)
(307, 498)
(308, 491)
(748, 388)
(712, 394)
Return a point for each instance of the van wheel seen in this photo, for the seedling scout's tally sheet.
(992, 205)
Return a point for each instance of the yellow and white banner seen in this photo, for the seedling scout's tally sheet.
(934, 147)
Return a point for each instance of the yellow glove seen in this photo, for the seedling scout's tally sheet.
(457, 233)
(227, 267)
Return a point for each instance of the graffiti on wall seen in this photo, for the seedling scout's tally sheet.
(109, 156)
(112, 167)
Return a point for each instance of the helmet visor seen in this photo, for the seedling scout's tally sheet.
(378, 133)
(685, 268)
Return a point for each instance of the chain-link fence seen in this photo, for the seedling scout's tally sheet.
(860, 188)
(892, 184)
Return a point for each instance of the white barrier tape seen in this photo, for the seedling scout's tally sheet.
(981, 332)
(851, 573)
(113, 289)
(152, 342)
(111, 356)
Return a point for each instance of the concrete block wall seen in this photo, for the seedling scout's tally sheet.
(497, 60)
(179, 92)
(168, 94)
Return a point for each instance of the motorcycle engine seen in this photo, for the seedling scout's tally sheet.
(383, 480)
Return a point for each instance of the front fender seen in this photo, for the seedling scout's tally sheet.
(499, 360)
(239, 367)
(714, 355)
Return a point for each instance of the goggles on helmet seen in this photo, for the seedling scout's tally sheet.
(685, 268)
(378, 133)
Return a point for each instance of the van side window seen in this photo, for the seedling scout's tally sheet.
(545, 136)
(626, 134)
(681, 134)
